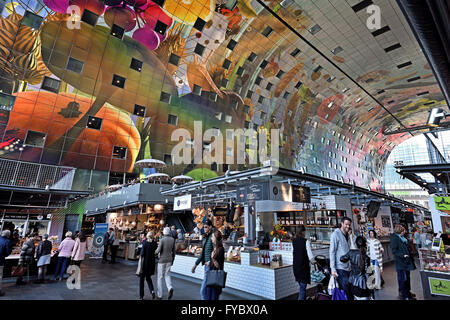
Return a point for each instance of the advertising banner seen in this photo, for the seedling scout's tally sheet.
(97, 244)
(182, 202)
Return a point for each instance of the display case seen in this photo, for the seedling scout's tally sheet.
(435, 274)
(319, 224)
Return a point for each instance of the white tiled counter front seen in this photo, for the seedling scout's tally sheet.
(267, 283)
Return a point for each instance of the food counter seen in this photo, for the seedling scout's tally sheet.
(435, 274)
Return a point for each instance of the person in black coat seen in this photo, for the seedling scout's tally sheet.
(301, 259)
(149, 247)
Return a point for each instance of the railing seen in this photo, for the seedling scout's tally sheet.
(34, 175)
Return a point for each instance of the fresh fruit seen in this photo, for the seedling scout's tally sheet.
(96, 6)
(148, 37)
(187, 11)
(153, 13)
(124, 17)
(59, 6)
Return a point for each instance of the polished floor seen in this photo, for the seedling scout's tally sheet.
(119, 282)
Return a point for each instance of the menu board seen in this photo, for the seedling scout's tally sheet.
(301, 194)
(252, 192)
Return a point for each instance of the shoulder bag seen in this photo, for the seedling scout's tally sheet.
(18, 271)
(216, 278)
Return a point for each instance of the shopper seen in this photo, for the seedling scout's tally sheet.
(179, 235)
(302, 256)
(148, 250)
(404, 262)
(43, 256)
(65, 252)
(79, 249)
(114, 243)
(416, 239)
(205, 256)
(27, 255)
(166, 251)
(106, 245)
(339, 246)
(359, 262)
(5, 250)
(375, 253)
(217, 263)
(173, 232)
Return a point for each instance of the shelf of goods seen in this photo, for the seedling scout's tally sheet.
(435, 274)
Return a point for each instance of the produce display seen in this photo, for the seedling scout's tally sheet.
(435, 261)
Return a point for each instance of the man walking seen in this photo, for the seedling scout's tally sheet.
(166, 251)
(173, 232)
(205, 257)
(5, 250)
(106, 243)
(340, 246)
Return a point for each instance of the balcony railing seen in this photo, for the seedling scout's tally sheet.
(34, 175)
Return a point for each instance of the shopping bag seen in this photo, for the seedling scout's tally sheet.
(216, 278)
(331, 285)
(139, 268)
(338, 293)
(18, 271)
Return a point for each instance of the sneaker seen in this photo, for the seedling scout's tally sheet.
(170, 294)
(153, 295)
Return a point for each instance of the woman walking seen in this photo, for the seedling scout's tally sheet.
(79, 249)
(65, 252)
(404, 262)
(359, 262)
(302, 255)
(216, 263)
(375, 253)
(43, 256)
(148, 249)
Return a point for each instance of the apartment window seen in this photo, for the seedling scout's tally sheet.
(118, 81)
(119, 152)
(51, 84)
(218, 115)
(165, 97)
(226, 64)
(246, 109)
(174, 59)
(197, 90)
(280, 74)
(228, 119)
(32, 20)
(249, 94)
(89, 17)
(136, 65)
(213, 96)
(311, 147)
(117, 31)
(263, 64)
(286, 95)
(7, 101)
(269, 86)
(75, 65)
(94, 123)
(267, 31)
(252, 57)
(139, 110)
(199, 24)
(172, 119)
(232, 44)
(240, 71)
(261, 99)
(313, 30)
(35, 139)
(167, 159)
(224, 82)
(199, 49)
(161, 27)
(295, 52)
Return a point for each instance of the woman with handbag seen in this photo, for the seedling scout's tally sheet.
(216, 263)
(79, 249)
(147, 261)
(375, 253)
(43, 256)
(26, 258)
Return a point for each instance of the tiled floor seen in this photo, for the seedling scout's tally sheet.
(118, 281)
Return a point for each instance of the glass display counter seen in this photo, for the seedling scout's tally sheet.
(435, 274)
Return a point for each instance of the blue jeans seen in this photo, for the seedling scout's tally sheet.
(212, 293)
(61, 266)
(404, 284)
(342, 279)
(302, 292)
(203, 288)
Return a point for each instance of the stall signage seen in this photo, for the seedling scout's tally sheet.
(301, 194)
(182, 202)
(439, 286)
(252, 192)
(24, 216)
(442, 204)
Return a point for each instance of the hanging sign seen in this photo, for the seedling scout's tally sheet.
(182, 202)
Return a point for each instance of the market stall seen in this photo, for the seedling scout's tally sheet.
(435, 273)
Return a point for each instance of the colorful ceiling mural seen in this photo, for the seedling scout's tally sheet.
(131, 72)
